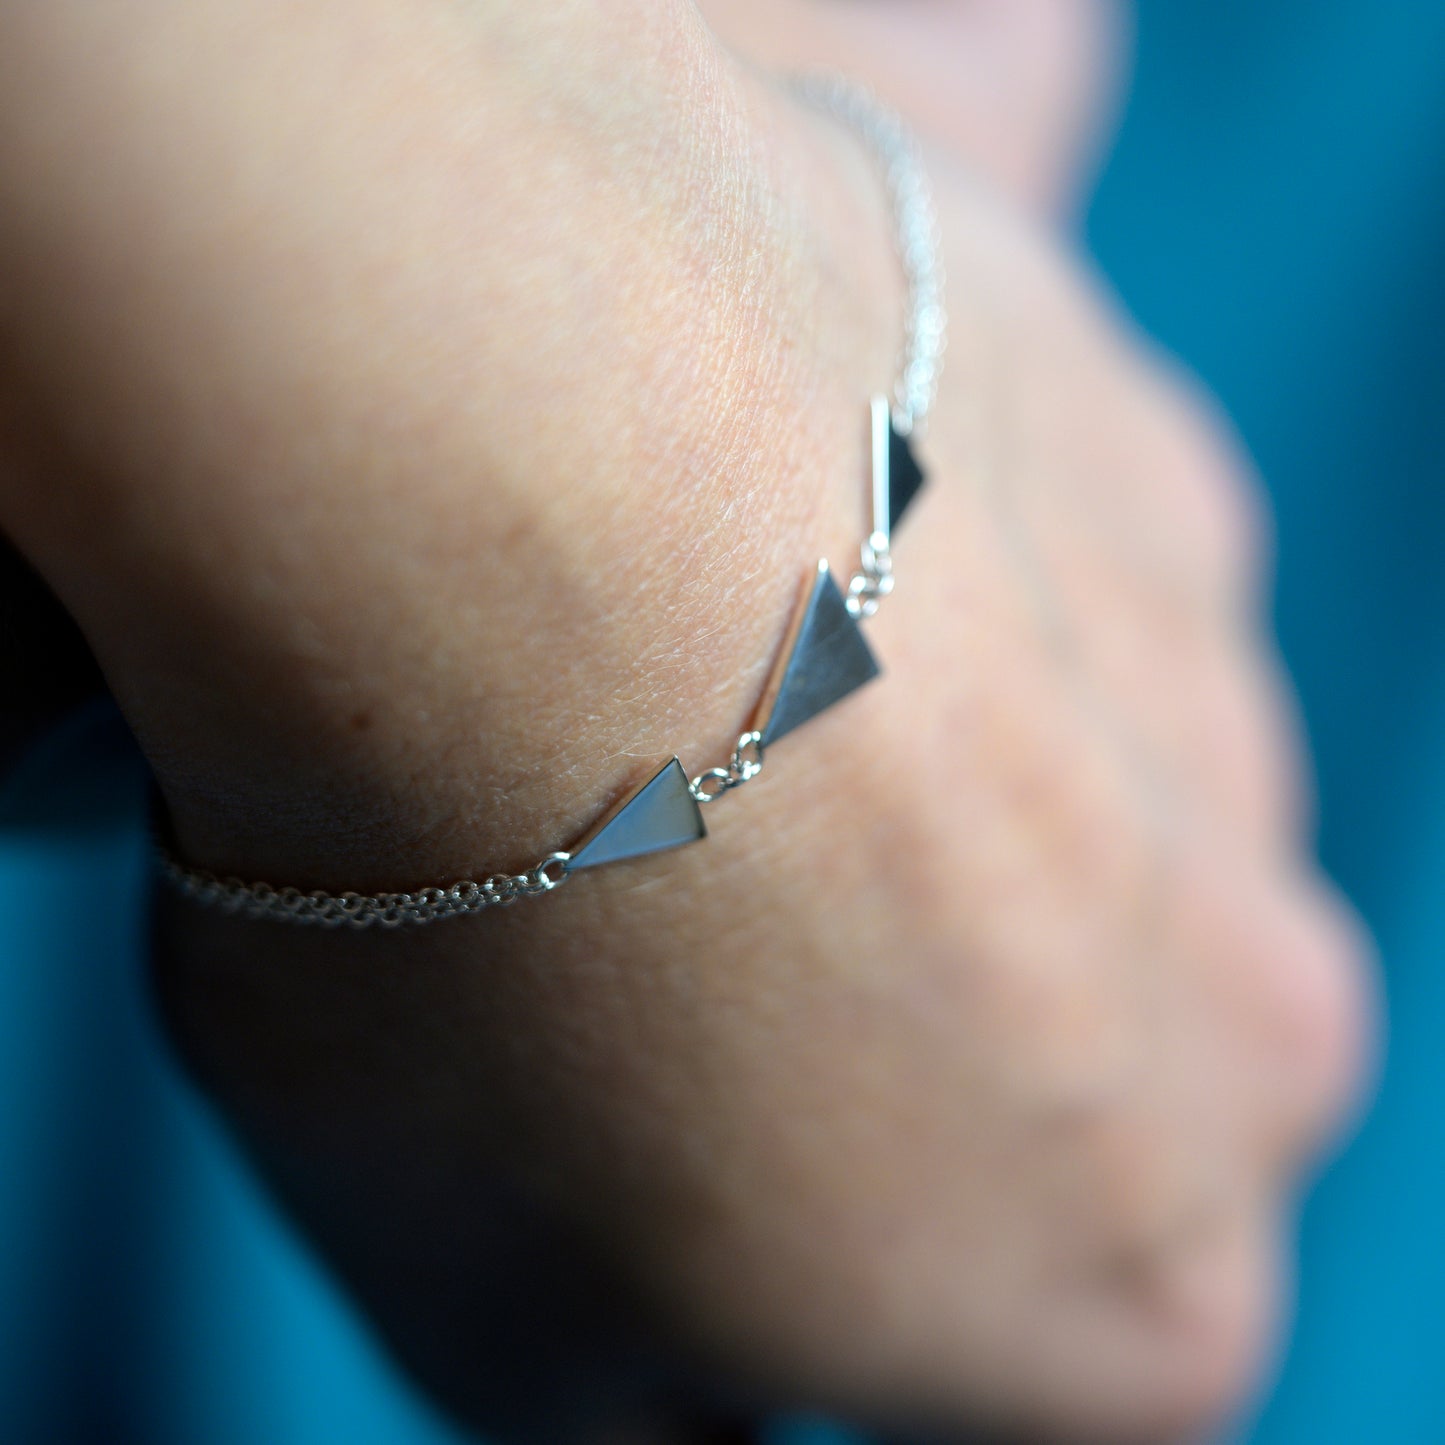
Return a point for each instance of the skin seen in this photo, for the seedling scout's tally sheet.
(430, 414)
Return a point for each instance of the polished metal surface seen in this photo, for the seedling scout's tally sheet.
(897, 480)
(905, 476)
(880, 416)
(828, 658)
(661, 814)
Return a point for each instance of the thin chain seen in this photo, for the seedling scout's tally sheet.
(916, 239)
(915, 225)
(873, 581)
(361, 910)
(746, 763)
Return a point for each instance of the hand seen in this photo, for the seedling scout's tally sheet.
(462, 403)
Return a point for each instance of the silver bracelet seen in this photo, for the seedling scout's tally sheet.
(824, 658)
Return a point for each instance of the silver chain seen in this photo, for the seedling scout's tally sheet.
(361, 910)
(915, 229)
(873, 580)
(896, 152)
(746, 763)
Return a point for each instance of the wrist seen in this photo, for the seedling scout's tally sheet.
(429, 726)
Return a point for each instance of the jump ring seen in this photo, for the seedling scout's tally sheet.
(712, 784)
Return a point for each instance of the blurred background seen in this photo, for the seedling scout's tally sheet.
(1274, 212)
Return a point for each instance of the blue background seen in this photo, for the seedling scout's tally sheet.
(1275, 213)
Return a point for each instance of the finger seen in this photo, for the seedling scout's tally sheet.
(1281, 975)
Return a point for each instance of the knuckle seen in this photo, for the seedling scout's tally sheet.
(1243, 743)
(1216, 1321)
(1328, 1020)
(1133, 1183)
(1283, 977)
(1179, 1337)
(1214, 482)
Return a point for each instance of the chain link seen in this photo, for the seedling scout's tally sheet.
(745, 764)
(874, 581)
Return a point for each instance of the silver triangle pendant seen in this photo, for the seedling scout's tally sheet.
(825, 661)
(661, 814)
(897, 477)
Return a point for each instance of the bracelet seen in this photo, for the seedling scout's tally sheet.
(824, 658)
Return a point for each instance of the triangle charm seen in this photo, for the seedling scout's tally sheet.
(825, 661)
(661, 814)
(897, 477)
(905, 476)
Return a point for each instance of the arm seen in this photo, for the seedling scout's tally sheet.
(425, 411)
